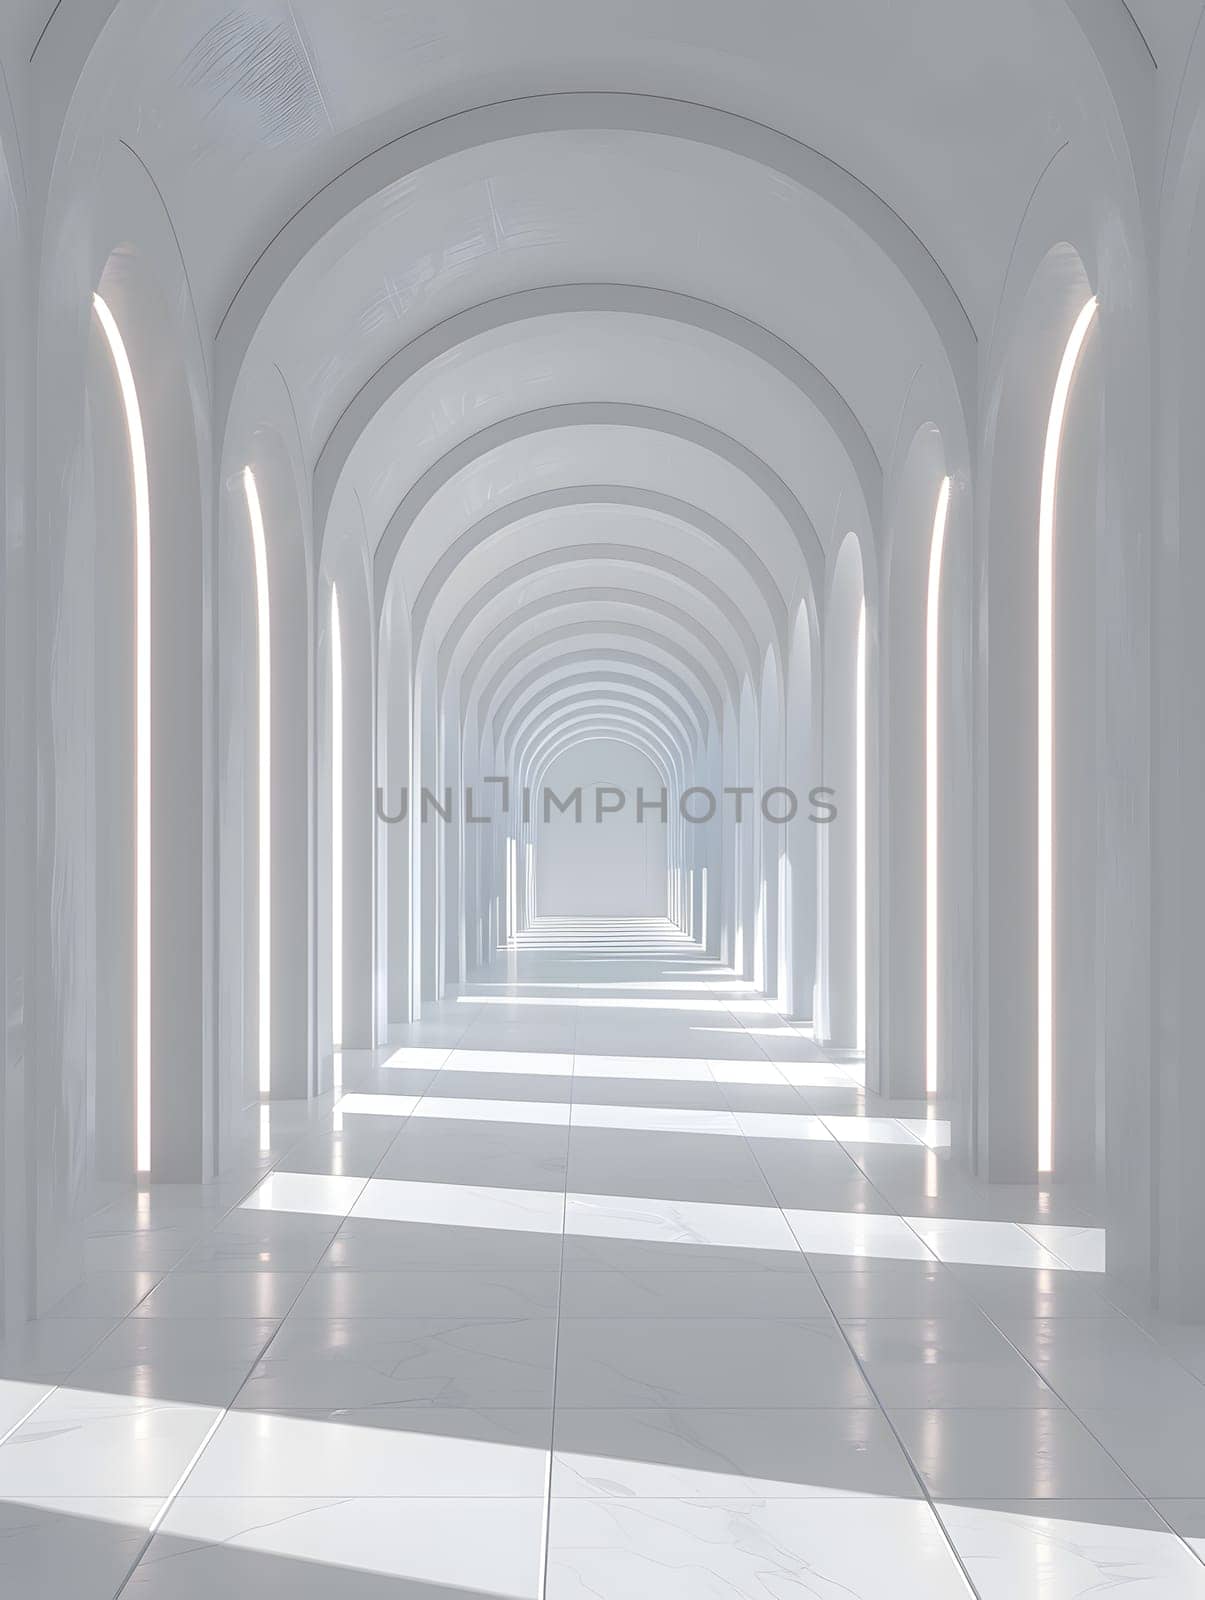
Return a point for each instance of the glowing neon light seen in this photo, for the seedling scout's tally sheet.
(142, 782)
(932, 775)
(1050, 476)
(860, 846)
(336, 826)
(263, 627)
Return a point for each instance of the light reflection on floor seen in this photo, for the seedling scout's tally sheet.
(636, 1298)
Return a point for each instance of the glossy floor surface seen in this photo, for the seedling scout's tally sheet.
(604, 1282)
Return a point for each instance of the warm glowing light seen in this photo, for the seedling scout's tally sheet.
(263, 623)
(1050, 475)
(142, 783)
(860, 843)
(336, 830)
(932, 745)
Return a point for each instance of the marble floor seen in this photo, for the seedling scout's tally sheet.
(603, 1281)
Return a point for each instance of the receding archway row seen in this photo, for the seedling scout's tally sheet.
(728, 661)
(430, 676)
(592, 418)
(749, 661)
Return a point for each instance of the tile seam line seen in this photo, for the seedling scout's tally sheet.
(1141, 1497)
(546, 1530)
(927, 1498)
(195, 1461)
(893, 1211)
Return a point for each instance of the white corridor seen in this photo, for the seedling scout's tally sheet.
(602, 901)
(604, 1282)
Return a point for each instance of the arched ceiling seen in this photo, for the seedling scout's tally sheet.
(250, 108)
(568, 649)
(690, 556)
(542, 361)
(597, 323)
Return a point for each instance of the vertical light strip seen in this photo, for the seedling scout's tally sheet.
(1050, 476)
(932, 776)
(142, 781)
(336, 826)
(860, 826)
(263, 625)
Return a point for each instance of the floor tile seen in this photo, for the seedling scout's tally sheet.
(684, 1550)
(492, 1113)
(51, 1348)
(675, 1093)
(1081, 1249)
(662, 1170)
(309, 1193)
(1160, 1448)
(262, 1241)
(758, 1125)
(604, 1218)
(399, 1294)
(203, 1362)
(222, 1294)
(680, 1454)
(1063, 1550)
(681, 1222)
(987, 1244)
(944, 1361)
(461, 1205)
(829, 1237)
(495, 1156)
(1010, 1454)
(1091, 1360)
(80, 1548)
(1010, 1292)
(356, 1549)
(730, 1363)
(137, 1250)
(79, 1444)
(656, 1119)
(741, 1074)
(354, 1152)
(510, 1063)
(464, 1452)
(1187, 1518)
(766, 1099)
(390, 1245)
(106, 1294)
(420, 1361)
(703, 1293)
(17, 1400)
(416, 1057)
(883, 1288)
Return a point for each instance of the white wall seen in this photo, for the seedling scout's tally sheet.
(723, 489)
(613, 868)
